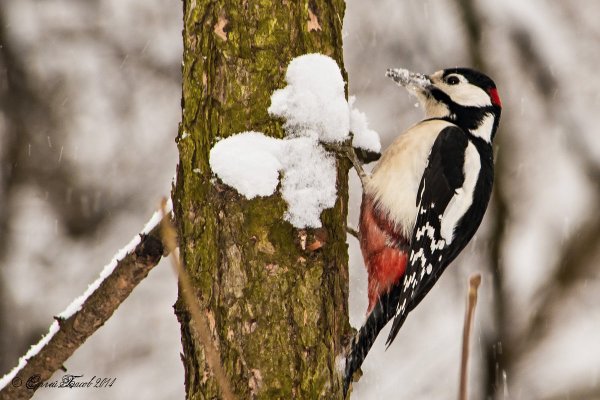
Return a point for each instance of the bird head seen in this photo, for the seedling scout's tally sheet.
(467, 97)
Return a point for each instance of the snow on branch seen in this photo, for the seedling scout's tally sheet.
(313, 100)
(86, 313)
(315, 111)
(363, 137)
(250, 162)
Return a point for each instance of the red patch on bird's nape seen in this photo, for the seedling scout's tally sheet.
(493, 92)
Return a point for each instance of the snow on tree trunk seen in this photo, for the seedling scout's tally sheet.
(275, 296)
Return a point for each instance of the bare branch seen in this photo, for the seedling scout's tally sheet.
(72, 328)
(353, 232)
(346, 150)
(213, 358)
(474, 282)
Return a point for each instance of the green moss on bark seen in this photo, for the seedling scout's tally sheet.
(278, 311)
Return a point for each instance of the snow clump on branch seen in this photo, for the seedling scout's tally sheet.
(313, 100)
(315, 110)
(364, 137)
(249, 162)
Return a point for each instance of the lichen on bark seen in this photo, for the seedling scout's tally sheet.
(277, 306)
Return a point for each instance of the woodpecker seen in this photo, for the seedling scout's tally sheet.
(425, 198)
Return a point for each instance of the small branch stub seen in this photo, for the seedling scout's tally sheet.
(474, 282)
(220, 28)
(313, 22)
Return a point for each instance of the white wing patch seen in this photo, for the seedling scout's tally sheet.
(430, 231)
(402, 307)
(463, 198)
(429, 269)
(419, 255)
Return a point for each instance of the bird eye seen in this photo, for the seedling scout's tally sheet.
(452, 80)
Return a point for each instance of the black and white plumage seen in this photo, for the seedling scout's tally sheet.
(450, 155)
(453, 196)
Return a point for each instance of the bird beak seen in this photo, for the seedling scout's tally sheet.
(412, 81)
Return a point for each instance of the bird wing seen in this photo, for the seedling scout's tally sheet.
(440, 199)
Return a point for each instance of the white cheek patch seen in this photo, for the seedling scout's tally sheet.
(468, 95)
(462, 200)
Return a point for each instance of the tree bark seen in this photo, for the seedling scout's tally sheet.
(275, 297)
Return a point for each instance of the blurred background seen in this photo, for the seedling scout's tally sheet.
(89, 107)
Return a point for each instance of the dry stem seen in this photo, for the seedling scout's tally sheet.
(199, 322)
(474, 282)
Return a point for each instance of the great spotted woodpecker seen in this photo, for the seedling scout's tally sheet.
(425, 198)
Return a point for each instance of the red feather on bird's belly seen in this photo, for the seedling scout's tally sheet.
(384, 249)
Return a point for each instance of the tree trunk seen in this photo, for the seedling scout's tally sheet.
(275, 297)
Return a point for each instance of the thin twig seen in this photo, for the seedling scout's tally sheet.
(199, 322)
(347, 151)
(353, 232)
(474, 282)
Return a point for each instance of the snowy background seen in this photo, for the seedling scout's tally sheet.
(89, 107)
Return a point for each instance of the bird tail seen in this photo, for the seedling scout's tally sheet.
(366, 336)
